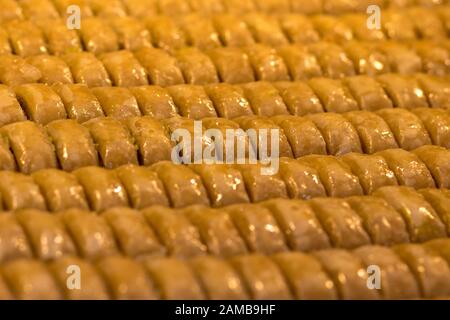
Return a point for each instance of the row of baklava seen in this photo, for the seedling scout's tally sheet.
(218, 185)
(41, 9)
(407, 271)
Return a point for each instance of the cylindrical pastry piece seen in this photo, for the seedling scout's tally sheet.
(384, 225)
(174, 279)
(436, 90)
(358, 24)
(437, 160)
(134, 236)
(206, 6)
(422, 221)
(229, 100)
(267, 64)
(367, 58)
(305, 276)
(40, 102)
(14, 243)
(87, 69)
(92, 235)
(333, 60)
(60, 189)
(333, 94)
(335, 175)
(218, 278)
(102, 187)
(298, 28)
(113, 9)
(26, 38)
(114, 143)
(165, 33)
(199, 31)
(46, 233)
(124, 69)
(19, 191)
(397, 281)
(232, 30)
(299, 98)
(264, 99)
(117, 103)
(59, 38)
(11, 11)
(262, 278)
(265, 29)
(175, 231)
(301, 63)
(368, 93)
(192, 101)
(217, 231)
(31, 146)
(80, 103)
(404, 91)
(299, 224)
(7, 161)
(52, 68)
(97, 36)
(372, 171)
(398, 26)
(10, 109)
(196, 66)
(73, 144)
(29, 279)
(143, 186)
(154, 101)
(408, 168)
(437, 122)
(232, 64)
(348, 273)
(440, 201)
(332, 29)
(14, 70)
(131, 32)
(408, 129)
(258, 228)
(126, 279)
(426, 23)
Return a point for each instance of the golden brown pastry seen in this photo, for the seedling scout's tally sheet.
(59, 39)
(131, 32)
(358, 25)
(333, 94)
(426, 22)
(113, 9)
(5, 48)
(437, 122)
(301, 63)
(437, 160)
(332, 29)
(265, 29)
(87, 69)
(154, 101)
(368, 93)
(192, 101)
(299, 98)
(232, 64)
(397, 26)
(117, 103)
(232, 30)
(11, 11)
(206, 6)
(124, 69)
(404, 91)
(7, 161)
(165, 33)
(60, 189)
(14, 243)
(19, 191)
(229, 100)
(52, 68)
(367, 58)
(199, 31)
(97, 36)
(10, 109)
(14, 70)
(264, 99)
(401, 59)
(332, 59)
(440, 201)
(436, 90)
(196, 66)
(266, 63)
(298, 28)
(102, 187)
(26, 38)
(435, 57)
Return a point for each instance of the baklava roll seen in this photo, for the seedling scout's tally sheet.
(14, 243)
(73, 143)
(357, 23)
(266, 63)
(408, 129)
(434, 57)
(367, 58)
(436, 90)
(92, 286)
(232, 64)
(174, 279)
(207, 6)
(298, 28)
(426, 23)
(11, 11)
(224, 184)
(440, 201)
(162, 69)
(372, 171)
(229, 100)
(437, 160)
(373, 131)
(422, 221)
(80, 103)
(219, 280)
(52, 68)
(7, 161)
(192, 101)
(299, 98)
(87, 69)
(151, 139)
(46, 233)
(113, 141)
(301, 63)
(397, 281)
(41, 103)
(264, 99)
(184, 186)
(180, 237)
(102, 187)
(408, 168)
(217, 231)
(124, 69)
(97, 36)
(143, 186)
(302, 181)
(334, 95)
(303, 135)
(91, 233)
(332, 29)
(404, 91)
(30, 279)
(26, 38)
(437, 122)
(348, 274)
(127, 279)
(10, 108)
(429, 268)
(19, 191)
(134, 236)
(262, 277)
(401, 59)
(31, 146)
(339, 134)
(335, 175)
(299, 224)
(397, 26)
(305, 276)
(333, 60)
(117, 103)
(112, 9)
(199, 31)
(196, 66)
(383, 223)
(265, 29)
(60, 189)
(14, 71)
(132, 34)
(368, 93)
(59, 38)
(165, 34)
(155, 102)
(232, 30)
